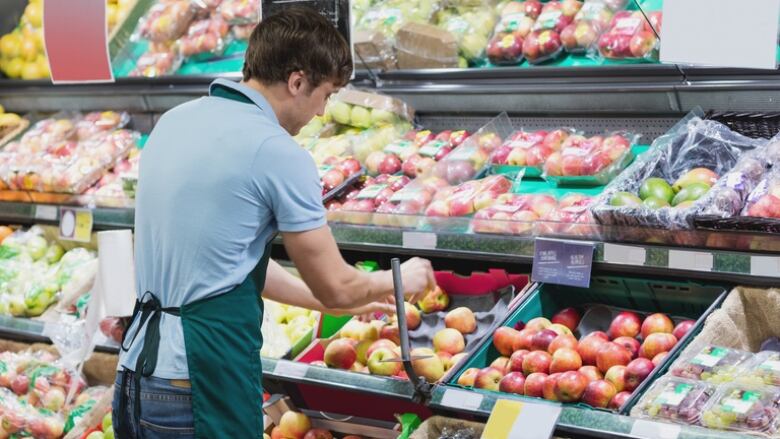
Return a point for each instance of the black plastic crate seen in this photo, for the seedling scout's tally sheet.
(755, 125)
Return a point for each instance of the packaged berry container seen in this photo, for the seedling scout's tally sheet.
(743, 408)
(675, 400)
(712, 363)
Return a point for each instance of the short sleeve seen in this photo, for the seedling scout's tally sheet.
(286, 178)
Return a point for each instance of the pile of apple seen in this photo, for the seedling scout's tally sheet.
(296, 425)
(656, 193)
(392, 158)
(103, 431)
(468, 159)
(285, 326)
(631, 36)
(764, 201)
(530, 148)
(517, 19)
(468, 197)
(471, 27)
(368, 197)
(580, 155)
(512, 213)
(335, 170)
(357, 115)
(588, 25)
(572, 216)
(544, 42)
(432, 149)
(544, 359)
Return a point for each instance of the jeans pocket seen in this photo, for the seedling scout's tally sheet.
(166, 413)
(151, 430)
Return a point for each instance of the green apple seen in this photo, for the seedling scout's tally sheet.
(360, 117)
(378, 364)
(108, 422)
(109, 433)
(312, 128)
(379, 116)
(16, 306)
(54, 253)
(36, 247)
(341, 112)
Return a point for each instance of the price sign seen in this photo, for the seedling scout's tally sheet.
(563, 262)
(45, 213)
(654, 430)
(688, 260)
(461, 399)
(515, 419)
(624, 254)
(76, 224)
(768, 266)
(75, 37)
(421, 240)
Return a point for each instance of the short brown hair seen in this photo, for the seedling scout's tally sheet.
(297, 39)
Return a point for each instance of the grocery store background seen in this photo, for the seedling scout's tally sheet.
(603, 225)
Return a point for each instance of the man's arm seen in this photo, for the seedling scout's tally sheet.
(338, 285)
(283, 287)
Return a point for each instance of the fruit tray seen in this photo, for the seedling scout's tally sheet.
(344, 186)
(684, 299)
(673, 399)
(599, 179)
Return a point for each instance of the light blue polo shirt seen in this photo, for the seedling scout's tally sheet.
(218, 178)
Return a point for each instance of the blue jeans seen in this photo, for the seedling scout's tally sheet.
(166, 410)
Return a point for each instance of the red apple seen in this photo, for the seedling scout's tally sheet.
(349, 166)
(629, 343)
(294, 425)
(501, 363)
(332, 179)
(538, 324)
(340, 353)
(599, 393)
(390, 332)
(591, 372)
(625, 324)
(642, 43)
(656, 323)
(658, 359)
(570, 386)
(381, 343)
(534, 384)
(488, 379)
(682, 328)
(524, 339)
(656, 343)
(513, 382)
(541, 341)
(565, 341)
(536, 361)
(549, 385)
(564, 360)
(617, 376)
(619, 400)
(390, 164)
(612, 354)
(516, 360)
(568, 317)
(318, 433)
(588, 348)
(466, 379)
(413, 318)
(373, 161)
(636, 372)
(537, 154)
(504, 339)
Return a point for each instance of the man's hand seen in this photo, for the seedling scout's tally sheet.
(417, 277)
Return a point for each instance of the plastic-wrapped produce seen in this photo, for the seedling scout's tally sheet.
(589, 23)
(674, 400)
(572, 217)
(240, 12)
(631, 36)
(513, 213)
(544, 42)
(471, 27)
(99, 122)
(667, 186)
(167, 20)
(432, 151)
(515, 23)
(712, 363)
(529, 150)
(160, 60)
(750, 409)
(593, 161)
(207, 36)
(364, 109)
(469, 197)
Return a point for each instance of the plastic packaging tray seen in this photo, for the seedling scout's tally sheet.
(712, 363)
(673, 399)
(742, 408)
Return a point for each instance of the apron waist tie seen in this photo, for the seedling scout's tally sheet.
(150, 312)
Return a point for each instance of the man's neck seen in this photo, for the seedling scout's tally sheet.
(274, 94)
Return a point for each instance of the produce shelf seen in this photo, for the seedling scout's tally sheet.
(31, 331)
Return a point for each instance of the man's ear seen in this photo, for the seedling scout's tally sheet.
(296, 83)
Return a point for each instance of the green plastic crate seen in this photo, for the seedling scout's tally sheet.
(684, 299)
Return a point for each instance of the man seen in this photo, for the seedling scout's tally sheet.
(220, 175)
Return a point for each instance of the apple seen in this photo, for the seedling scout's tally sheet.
(318, 433)
(656, 343)
(54, 399)
(501, 363)
(20, 385)
(612, 354)
(617, 376)
(537, 154)
(341, 353)
(516, 360)
(413, 319)
(658, 359)
(391, 164)
(682, 328)
(349, 166)
(373, 161)
(430, 368)
(391, 333)
(436, 300)
(378, 364)
(538, 324)
(358, 330)
(524, 339)
(294, 425)
(536, 361)
(568, 317)
(636, 372)
(625, 324)
(461, 319)
(599, 393)
(332, 179)
(656, 323)
(619, 400)
(362, 350)
(541, 341)
(588, 348)
(629, 343)
(564, 341)
(504, 340)
(570, 386)
(548, 388)
(534, 384)
(488, 379)
(466, 379)
(560, 329)
(591, 372)
(642, 44)
(564, 360)
(513, 382)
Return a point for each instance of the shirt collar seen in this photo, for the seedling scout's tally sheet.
(226, 88)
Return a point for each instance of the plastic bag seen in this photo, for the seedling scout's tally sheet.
(375, 192)
(471, 28)
(404, 207)
(572, 217)
(159, 60)
(240, 11)
(167, 20)
(468, 197)
(243, 31)
(207, 36)
(631, 36)
(432, 151)
(515, 23)
(764, 200)
(733, 193)
(544, 42)
(529, 150)
(513, 213)
(593, 161)
(666, 187)
(363, 109)
(589, 23)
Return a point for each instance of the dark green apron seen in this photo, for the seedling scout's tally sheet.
(222, 339)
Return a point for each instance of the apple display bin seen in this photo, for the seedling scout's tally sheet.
(692, 143)
(683, 299)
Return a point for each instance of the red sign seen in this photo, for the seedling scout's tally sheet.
(76, 40)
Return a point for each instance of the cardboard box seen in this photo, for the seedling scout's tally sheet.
(424, 46)
(373, 50)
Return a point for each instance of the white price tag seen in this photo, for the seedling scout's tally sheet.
(422, 240)
(654, 430)
(624, 254)
(76, 224)
(291, 369)
(461, 399)
(687, 260)
(44, 212)
(752, 33)
(765, 266)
